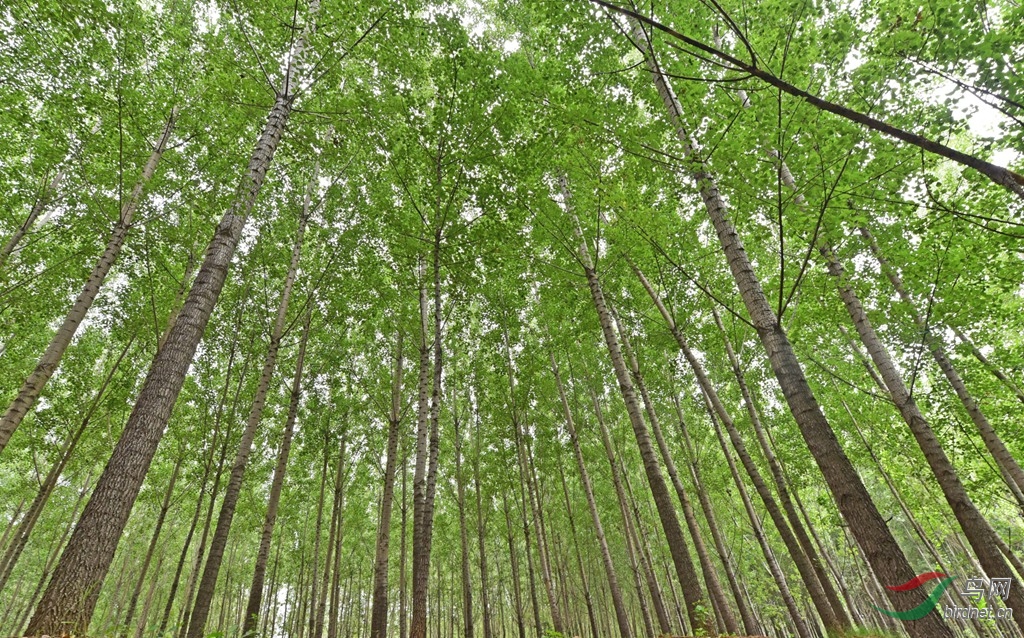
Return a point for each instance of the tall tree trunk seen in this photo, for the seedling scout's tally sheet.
(513, 557)
(524, 510)
(320, 612)
(884, 554)
(28, 522)
(50, 359)
(977, 530)
(157, 528)
(621, 617)
(714, 586)
(208, 582)
(692, 594)
(310, 603)
(379, 615)
(750, 624)
(147, 603)
(186, 611)
(481, 529)
(467, 582)
(403, 616)
(1008, 466)
(630, 539)
(778, 576)
(335, 594)
(781, 486)
(533, 496)
(587, 596)
(186, 607)
(807, 572)
(420, 570)
(71, 596)
(646, 556)
(252, 608)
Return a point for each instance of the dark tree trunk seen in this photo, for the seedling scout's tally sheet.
(255, 601)
(70, 598)
(379, 615)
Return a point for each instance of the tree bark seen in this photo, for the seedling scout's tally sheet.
(70, 598)
(884, 554)
(379, 614)
(621, 617)
(977, 530)
(157, 528)
(1008, 466)
(50, 359)
(252, 608)
(208, 582)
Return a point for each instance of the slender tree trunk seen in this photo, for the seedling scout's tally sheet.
(485, 605)
(71, 596)
(646, 556)
(198, 561)
(252, 608)
(750, 624)
(778, 475)
(773, 565)
(208, 582)
(1008, 466)
(532, 581)
(977, 530)
(884, 554)
(807, 572)
(335, 595)
(161, 516)
(197, 564)
(514, 563)
(379, 615)
(140, 626)
(537, 510)
(403, 616)
(692, 594)
(420, 570)
(467, 582)
(28, 522)
(48, 362)
(311, 602)
(587, 597)
(321, 604)
(625, 630)
(707, 567)
(52, 557)
(630, 539)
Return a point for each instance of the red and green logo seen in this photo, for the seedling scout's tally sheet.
(929, 604)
